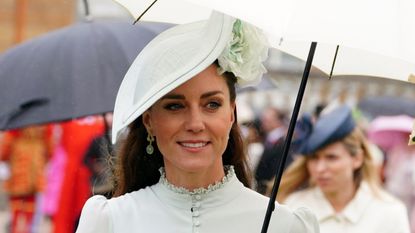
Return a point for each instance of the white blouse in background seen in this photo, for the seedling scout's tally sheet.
(224, 207)
(366, 213)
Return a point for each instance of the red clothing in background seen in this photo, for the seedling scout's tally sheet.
(76, 136)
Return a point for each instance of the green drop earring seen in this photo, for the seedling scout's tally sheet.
(150, 148)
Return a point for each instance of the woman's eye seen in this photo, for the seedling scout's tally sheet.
(312, 157)
(213, 105)
(331, 157)
(173, 106)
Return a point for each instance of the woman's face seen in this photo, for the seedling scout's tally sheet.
(191, 124)
(332, 168)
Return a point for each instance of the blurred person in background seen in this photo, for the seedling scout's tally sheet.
(318, 109)
(252, 135)
(55, 171)
(98, 159)
(26, 151)
(337, 179)
(390, 133)
(254, 141)
(273, 124)
(75, 188)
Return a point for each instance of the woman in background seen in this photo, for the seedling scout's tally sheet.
(337, 179)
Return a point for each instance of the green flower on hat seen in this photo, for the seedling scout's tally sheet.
(244, 54)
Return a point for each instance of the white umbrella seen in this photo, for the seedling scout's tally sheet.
(170, 11)
(378, 32)
(349, 61)
(367, 37)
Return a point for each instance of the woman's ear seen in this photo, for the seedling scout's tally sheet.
(147, 121)
(358, 159)
(233, 112)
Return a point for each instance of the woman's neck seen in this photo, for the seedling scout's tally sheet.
(340, 198)
(195, 180)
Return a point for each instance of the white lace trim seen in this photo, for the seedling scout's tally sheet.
(229, 170)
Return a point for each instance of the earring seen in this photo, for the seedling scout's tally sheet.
(150, 148)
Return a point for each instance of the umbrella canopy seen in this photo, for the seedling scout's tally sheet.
(376, 106)
(69, 73)
(389, 131)
(267, 83)
(336, 60)
(381, 38)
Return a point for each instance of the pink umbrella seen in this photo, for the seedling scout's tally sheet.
(388, 131)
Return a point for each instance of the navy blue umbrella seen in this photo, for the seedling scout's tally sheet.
(69, 73)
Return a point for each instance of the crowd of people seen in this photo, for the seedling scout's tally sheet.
(355, 175)
(47, 180)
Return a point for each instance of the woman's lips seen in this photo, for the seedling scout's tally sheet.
(323, 181)
(193, 145)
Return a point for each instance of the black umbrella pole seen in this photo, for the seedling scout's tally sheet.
(287, 143)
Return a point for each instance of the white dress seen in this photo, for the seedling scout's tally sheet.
(365, 213)
(224, 207)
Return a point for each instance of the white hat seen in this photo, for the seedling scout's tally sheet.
(172, 58)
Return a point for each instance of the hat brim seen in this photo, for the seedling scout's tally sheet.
(329, 128)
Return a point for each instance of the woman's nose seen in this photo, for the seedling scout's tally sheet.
(320, 165)
(194, 120)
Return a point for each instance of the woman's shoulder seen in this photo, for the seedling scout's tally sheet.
(131, 201)
(284, 218)
(302, 219)
(391, 212)
(294, 219)
(387, 200)
(301, 196)
(95, 216)
(380, 197)
(95, 205)
(99, 214)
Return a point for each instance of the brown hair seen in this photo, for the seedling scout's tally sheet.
(296, 177)
(135, 169)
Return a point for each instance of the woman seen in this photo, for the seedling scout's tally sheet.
(337, 179)
(182, 166)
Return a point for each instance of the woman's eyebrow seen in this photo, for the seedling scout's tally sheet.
(210, 93)
(181, 97)
(173, 96)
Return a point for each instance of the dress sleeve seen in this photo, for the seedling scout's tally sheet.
(95, 216)
(304, 221)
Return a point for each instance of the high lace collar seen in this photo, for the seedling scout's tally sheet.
(230, 173)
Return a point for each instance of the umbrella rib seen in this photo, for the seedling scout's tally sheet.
(145, 11)
(334, 62)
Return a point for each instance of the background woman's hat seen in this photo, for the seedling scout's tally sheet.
(329, 128)
(169, 60)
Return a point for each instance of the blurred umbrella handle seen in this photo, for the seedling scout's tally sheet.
(21, 109)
